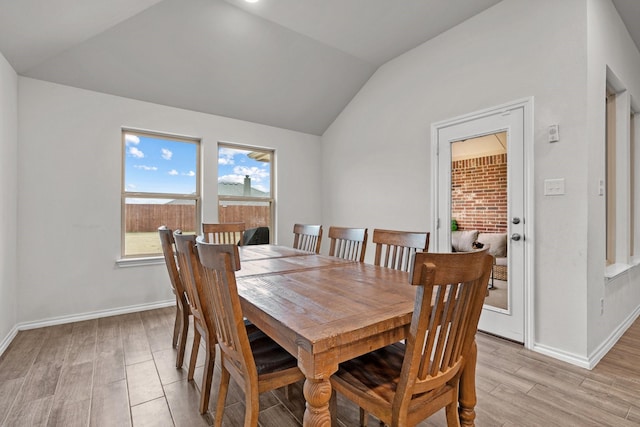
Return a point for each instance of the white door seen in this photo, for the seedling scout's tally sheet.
(504, 309)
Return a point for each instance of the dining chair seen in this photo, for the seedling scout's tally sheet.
(398, 247)
(348, 243)
(181, 325)
(256, 236)
(307, 237)
(256, 362)
(187, 259)
(224, 233)
(404, 383)
(185, 244)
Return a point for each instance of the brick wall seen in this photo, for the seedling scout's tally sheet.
(479, 193)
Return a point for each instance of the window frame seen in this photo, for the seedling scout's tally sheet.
(196, 197)
(272, 180)
(621, 148)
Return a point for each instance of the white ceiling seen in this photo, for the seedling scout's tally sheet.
(481, 146)
(293, 64)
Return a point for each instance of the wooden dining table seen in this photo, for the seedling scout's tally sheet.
(326, 310)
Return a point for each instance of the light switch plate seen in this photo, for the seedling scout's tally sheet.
(554, 187)
(554, 133)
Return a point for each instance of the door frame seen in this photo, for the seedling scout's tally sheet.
(527, 104)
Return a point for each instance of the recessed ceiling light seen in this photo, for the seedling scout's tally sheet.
(252, 1)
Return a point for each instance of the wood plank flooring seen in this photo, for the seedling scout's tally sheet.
(119, 371)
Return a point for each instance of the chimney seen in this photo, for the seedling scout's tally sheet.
(247, 186)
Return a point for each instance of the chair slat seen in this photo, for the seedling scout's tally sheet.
(348, 243)
(230, 233)
(396, 249)
(307, 237)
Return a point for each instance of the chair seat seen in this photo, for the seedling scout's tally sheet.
(377, 371)
(376, 375)
(268, 354)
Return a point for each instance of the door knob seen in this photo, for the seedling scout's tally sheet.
(516, 236)
(515, 220)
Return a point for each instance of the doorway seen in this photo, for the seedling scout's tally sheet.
(470, 211)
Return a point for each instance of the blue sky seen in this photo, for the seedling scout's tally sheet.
(234, 164)
(158, 165)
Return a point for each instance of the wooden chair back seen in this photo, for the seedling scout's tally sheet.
(188, 263)
(224, 233)
(397, 249)
(221, 303)
(348, 243)
(449, 298)
(168, 250)
(181, 325)
(307, 237)
(185, 244)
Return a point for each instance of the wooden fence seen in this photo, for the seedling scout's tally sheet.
(144, 218)
(148, 217)
(253, 216)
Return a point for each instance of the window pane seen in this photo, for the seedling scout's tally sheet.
(244, 173)
(144, 216)
(159, 165)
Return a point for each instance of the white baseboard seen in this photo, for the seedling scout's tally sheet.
(93, 315)
(596, 356)
(7, 340)
(80, 317)
(571, 358)
(608, 344)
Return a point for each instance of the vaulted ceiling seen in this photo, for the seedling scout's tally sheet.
(293, 64)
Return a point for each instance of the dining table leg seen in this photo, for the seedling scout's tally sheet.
(468, 398)
(317, 393)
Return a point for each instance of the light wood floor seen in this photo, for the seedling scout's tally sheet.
(119, 371)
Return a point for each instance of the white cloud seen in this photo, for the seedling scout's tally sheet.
(166, 154)
(135, 152)
(131, 139)
(146, 168)
(173, 172)
(190, 173)
(232, 178)
(256, 174)
(225, 155)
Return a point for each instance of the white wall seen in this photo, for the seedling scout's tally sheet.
(69, 177)
(609, 45)
(376, 155)
(8, 199)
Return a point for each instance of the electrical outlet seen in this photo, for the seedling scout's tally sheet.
(601, 306)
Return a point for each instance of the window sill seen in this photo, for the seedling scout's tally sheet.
(614, 270)
(138, 262)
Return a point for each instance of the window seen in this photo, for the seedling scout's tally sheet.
(245, 185)
(620, 174)
(160, 187)
(611, 175)
(633, 177)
